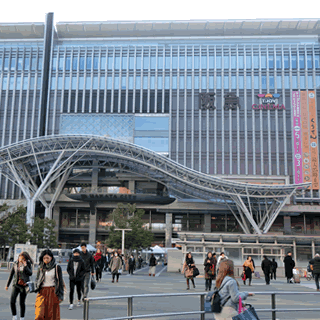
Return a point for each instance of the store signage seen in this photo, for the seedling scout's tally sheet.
(268, 102)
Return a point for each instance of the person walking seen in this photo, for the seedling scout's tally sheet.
(115, 266)
(76, 270)
(209, 268)
(254, 266)
(88, 263)
(315, 262)
(20, 274)
(288, 266)
(132, 264)
(50, 288)
(188, 268)
(229, 291)
(107, 261)
(140, 260)
(221, 258)
(266, 268)
(274, 266)
(98, 264)
(152, 265)
(248, 269)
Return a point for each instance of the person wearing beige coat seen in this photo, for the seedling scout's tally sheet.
(115, 265)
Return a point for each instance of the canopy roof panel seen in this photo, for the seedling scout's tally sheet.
(33, 30)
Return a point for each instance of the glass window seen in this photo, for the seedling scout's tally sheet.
(181, 85)
(123, 82)
(211, 62)
(189, 62)
(317, 61)
(131, 63)
(53, 83)
(54, 64)
(109, 83)
(233, 62)
(6, 64)
(309, 61)
(124, 63)
(81, 83)
(218, 60)
(96, 63)
(263, 62)
(294, 61)
(271, 61)
(233, 82)
(145, 62)
(249, 82)
(25, 83)
(189, 82)
(110, 63)
(102, 83)
(152, 82)
(160, 62)
(256, 82)
(271, 82)
(182, 62)
(138, 63)
(279, 82)
(168, 60)
(196, 82)
(317, 81)
(103, 63)
(264, 82)
(167, 83)
(74, 83)
(117, 63)
(83, 218)
(130, 83)
(301, 61)
(286, 61)
(116, 83)
(61, 61)
(226, 82)
(302, 82)
(203, 62)
(153, 143)
(32, 83)
(13, 63)
(204, 82)
(310, 82)
(241, 62)
(248, 62)
(211, 82)
(40, 64)
(278, 62)
(153, 63)
(5, 83)
(218, 84)
(151, 123)
(138, 82)
(66, 83)
(286, 82)
(39, 83)
(60, 83)
(145, 82)
(241, 82)
(18, 83)
(256, 62)
(75, 63)
(226, 62)
(294, 82)
(196, 62)
(174, 62)
(81, 63)
(159, 82)
(20, 63)
(0, 63)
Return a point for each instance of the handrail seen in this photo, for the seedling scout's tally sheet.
(201, 311)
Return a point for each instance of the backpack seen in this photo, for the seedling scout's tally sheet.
(216, 306)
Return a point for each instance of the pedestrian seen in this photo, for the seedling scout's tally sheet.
(248, 269)
(103, 261)
(266, 268)
(315, 262)
(209, 268)
(229, 291)
(188, 268)
(98, 264)
(254, 266)
(152, 265)
(274, 266)
(288, 266)
(140, 260)
(49, 285)
(88, 263)
(115, 266)
(132, 264)
(20, 273)
(221, 258)
(76, 270)
(107, 261)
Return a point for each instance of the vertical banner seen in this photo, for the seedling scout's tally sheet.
(314, 141)
(298, 175)
(306, 158)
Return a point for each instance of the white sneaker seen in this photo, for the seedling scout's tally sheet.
(21, 318)
(71, 307)
(14, 317)
(79, 304)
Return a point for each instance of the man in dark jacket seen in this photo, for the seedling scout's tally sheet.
(288, 266)
(76, 270)
(88, 264)
(140, 260)
(315, 262)
(274, 267)
(132, 264)
(266, 267)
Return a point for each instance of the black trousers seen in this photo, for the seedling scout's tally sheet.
(115, 274)
(316, 279)
(208, 284)
(16, 290)
(267, 277)
(274, 275)
(78, 284)
(98, 274)
(131, 268)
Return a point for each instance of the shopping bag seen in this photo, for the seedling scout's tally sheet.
(243, 276)
(248, 314)
(93, 283)
(120, 271)
(195, 272)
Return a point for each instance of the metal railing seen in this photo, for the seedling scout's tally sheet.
(202, 313)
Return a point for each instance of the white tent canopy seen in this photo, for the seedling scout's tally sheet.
(89, 248)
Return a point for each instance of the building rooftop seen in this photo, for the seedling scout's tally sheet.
(32, 30)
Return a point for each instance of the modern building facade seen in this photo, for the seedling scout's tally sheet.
(236, 100)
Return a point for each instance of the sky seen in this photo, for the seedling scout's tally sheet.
(117, 10)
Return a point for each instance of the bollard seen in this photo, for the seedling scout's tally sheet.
(129, 310)
(86, 310)
(273, 305)
(202, 316)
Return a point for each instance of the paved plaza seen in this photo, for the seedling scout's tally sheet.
(163, 282)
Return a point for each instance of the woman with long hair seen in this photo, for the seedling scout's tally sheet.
(229, 291)
(50, 287)
(98, 264)
(115, 266)
(188, 268)
(20, 273)
(248, 269)
(209, 269)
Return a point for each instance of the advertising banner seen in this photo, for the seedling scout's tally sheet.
(314, 141)
(306, 158)
(297, 150)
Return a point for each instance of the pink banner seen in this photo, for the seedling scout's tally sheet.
(297, 143)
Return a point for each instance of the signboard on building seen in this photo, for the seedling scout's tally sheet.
(31, 249)
(297, 150)
(268, 102)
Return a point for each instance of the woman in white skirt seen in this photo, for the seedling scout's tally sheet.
(152, 265)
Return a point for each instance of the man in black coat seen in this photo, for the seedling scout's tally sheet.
(266, 268)
(132, 264)
(76, 270)
(88, 263)
(274, 266)
(288, 266)
(140, 260)
(315, 262)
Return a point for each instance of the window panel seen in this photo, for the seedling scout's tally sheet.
(233, 62)
(167, 82)
(204, 83)
(117, 63)
(13, 63)
(53, 83)
(196, 62)
(233, 82)
(109, 83)
(152, 82)
(124, 63)
(189, 82)
(110, 63)
(95, 83)
(153, 63)
(279, 82)
(182, 62)
(174, 82)
(249, 82)
(181, 84)
(294, 82)
(20, 64)
(256, 82)
(310, 82)
(294, 61)
(96, 63)
(74, 83)
(6, 64)
(145, 82)
(174, 62)
(241, 62)
(263, 62)
(309, 61)
(211, 62)
(301, 61)
(18, 83)
(61, 61)
(54, 64)
(130, 83)
(145, 62)
(60, 81)
(317, 61)
(189, 62)
(74, 63)
(248, 62)
(211, 82)
(160, 62)
(159, 82)
(153, 143)
(81, 83)
(241, 82)
(66, 83)
(116, 83)
(278, 62)
(68, 62)
(138, 82)
(286, 61)
(151, 123)
(271, 82)
(81, 63)
(218, 60)
(131, 63)
(256, 62)
(138, 63)
(102, 83)
(226, 62)
(218, 84)
(264, 82)
(286, 82)
(317, 81)
(203, 62)
(270, 61)
(168, 60)
(302, 82)
(226, 82)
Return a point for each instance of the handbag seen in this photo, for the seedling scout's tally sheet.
(243, 276)
(195, 272)
(247, 314)
(21, 283)
(211, 271)
(93, 283)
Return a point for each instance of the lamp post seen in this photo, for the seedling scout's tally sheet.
(123, 231)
